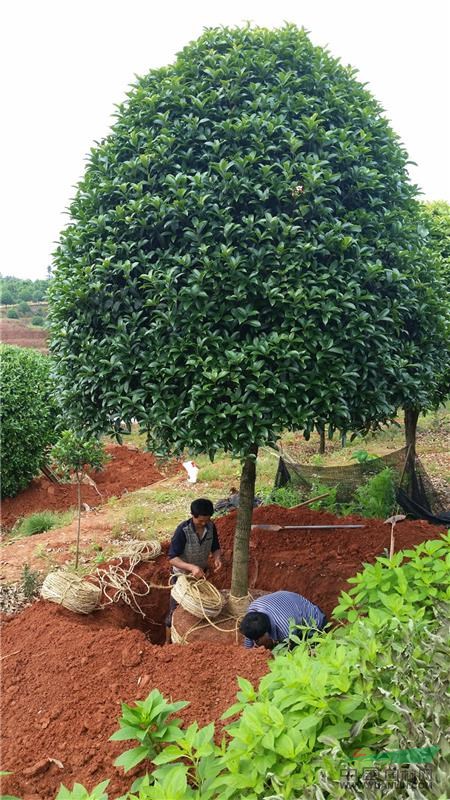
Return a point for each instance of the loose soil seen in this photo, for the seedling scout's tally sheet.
(65, 675)
(128, 469)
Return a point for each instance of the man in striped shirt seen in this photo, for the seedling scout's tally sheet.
(266, 622)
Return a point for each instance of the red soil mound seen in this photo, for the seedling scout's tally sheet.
(127, 470)
(63, 684)
(65, 675)
(314, 563)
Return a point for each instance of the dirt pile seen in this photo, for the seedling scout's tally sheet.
(128, 469)
(64, 680)
(64, 675)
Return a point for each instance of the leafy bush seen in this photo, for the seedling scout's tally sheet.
(12, 314)
(80, 793)
(28, 415)
(24, 309)
(38, 321)
(328, 503)
(406, 587)
(362, 456)
(286, 496)
(42, 521)
(30, 581)
(376, 497)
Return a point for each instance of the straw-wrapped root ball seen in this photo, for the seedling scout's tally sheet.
(71, 591)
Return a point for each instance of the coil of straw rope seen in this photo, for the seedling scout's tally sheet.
(199, 597)
(71, 591)
(81, 596)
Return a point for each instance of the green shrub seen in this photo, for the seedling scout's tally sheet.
(24, 309)
(28, 415)
(406, 587)
(328, 503)
(43, 521)
(12, 314)
(38, 321)
(286, 496)
(31, 582)
(376, 497)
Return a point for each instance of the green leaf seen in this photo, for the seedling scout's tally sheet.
(130, 758)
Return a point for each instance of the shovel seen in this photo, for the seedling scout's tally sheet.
(277, 528)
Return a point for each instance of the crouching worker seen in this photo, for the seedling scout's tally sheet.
(266, 622)
(193, 542)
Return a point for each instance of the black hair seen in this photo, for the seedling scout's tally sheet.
(254, 625)
(202, 508)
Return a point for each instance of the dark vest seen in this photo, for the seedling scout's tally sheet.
(196, 551)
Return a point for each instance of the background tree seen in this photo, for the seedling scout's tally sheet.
(28, 415)
(238, 257)
(74, 454)
(426, 330)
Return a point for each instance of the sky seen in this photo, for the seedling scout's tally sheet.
(66, 63)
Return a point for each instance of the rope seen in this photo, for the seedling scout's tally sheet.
(116, 578)
(82, 597)
(177, 638)
(199, 597)
(71, 591)
(191, 597)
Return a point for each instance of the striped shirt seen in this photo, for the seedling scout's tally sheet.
(281, 607)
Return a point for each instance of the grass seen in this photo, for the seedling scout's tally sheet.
(41, 521)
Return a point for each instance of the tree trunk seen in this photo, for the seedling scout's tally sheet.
(322, 441)
(79, 521)
(411, 417)
(239, 575)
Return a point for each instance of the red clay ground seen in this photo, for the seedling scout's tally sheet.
(65, 675)
(128, 469)
(16, 332)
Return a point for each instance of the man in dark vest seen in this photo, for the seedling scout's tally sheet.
(193, 542)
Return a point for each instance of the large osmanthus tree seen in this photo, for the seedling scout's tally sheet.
(238, 256)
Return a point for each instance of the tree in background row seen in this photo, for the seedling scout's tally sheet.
(15, 290)
(28, 415)
(242, 257)
(430, 322)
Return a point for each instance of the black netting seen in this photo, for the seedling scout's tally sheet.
(415, 491)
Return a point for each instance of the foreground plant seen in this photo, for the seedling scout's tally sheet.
(80, 793)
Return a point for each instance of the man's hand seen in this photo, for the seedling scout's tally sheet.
(217, 564)
(197, 572)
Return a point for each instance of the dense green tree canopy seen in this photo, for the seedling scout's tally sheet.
(28, 415)
(436, 221)
(241, 252)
